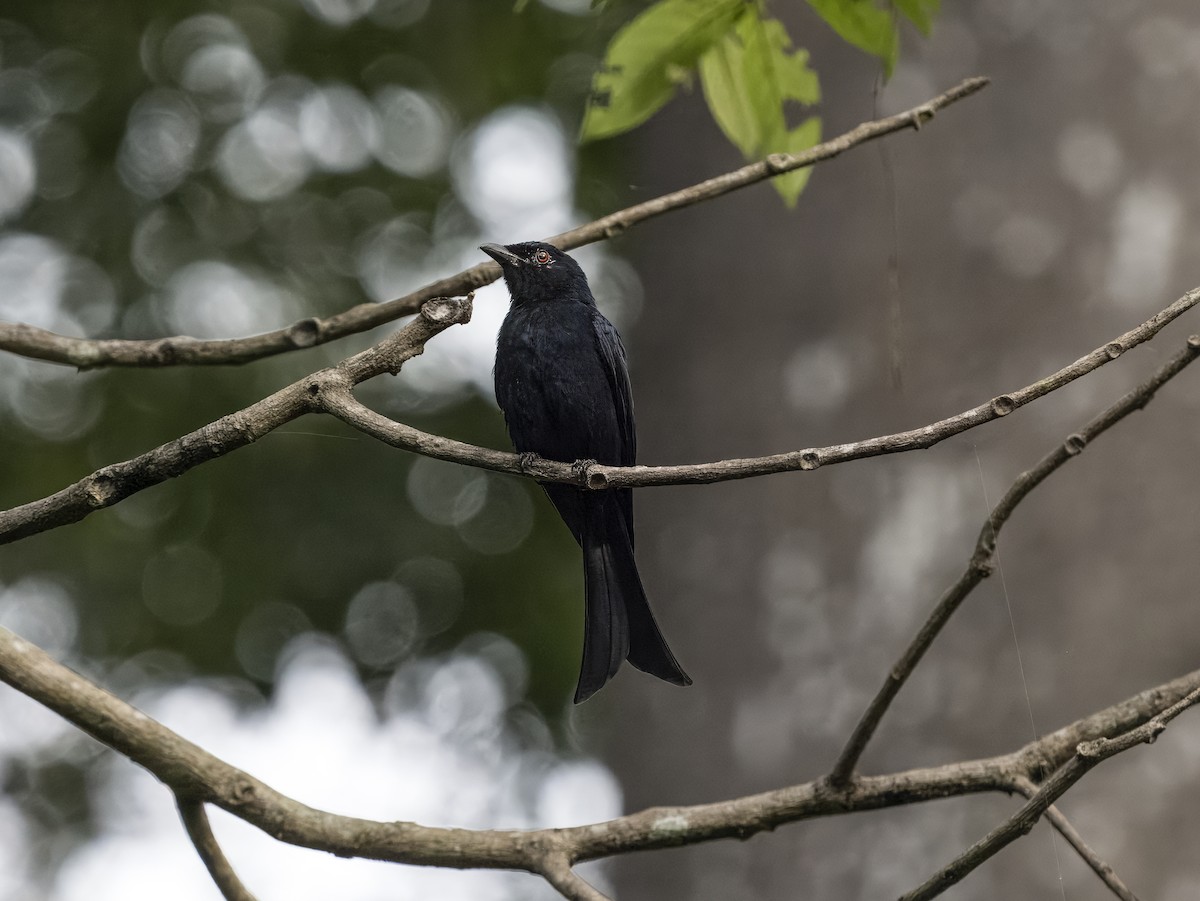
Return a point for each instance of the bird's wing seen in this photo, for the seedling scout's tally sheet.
(612, 354)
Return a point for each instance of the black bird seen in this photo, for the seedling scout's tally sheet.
(563, 385)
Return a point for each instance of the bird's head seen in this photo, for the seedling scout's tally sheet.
(537, 271)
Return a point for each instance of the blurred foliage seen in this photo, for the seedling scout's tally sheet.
(749, 72)
(302, 519)
(225, 167)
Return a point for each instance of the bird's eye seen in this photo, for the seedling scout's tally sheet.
(541, 257)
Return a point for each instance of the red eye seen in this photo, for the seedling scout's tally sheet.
(541, 257)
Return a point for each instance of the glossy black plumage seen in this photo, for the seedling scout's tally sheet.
(562, 383)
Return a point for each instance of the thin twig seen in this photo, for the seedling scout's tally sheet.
(556, 870)
(194, 773)
(195, 821)
(1087, 755)
(86, 353)
(981, 563)
(590, 474)
(1028, 788)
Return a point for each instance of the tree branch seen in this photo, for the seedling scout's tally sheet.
(1087, 755)
(981, 563)
(195, 821)
(197, 776)
(85, 353)
(1028, 788)
(114, 483)
(589, 474)
(327, 391)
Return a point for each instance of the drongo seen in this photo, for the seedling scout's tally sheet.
(563, 386)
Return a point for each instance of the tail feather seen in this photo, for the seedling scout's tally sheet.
(648, 649)
(618, 623)
(605, 622)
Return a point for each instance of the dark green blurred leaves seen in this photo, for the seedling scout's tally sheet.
(221, 567)
(168, 167)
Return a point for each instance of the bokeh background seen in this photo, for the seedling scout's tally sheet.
(398, 638)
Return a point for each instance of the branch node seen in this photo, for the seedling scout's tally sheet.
(837, 788)
(921, 115)
(1074, 444)
(1003, 405)
(777, 163)
(555, 866)
(809, 460)
(168, 350)
(326, 384)
(448, 310)
(244, 791)
(1091, 750)
(100, 490)
(1114, 349)
(304, 333)
(595, 480)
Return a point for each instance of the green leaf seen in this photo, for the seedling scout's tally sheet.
(749, 78)
(726, 86)
(642, 65)
(799, 139)
(866, 25)
(920, 12)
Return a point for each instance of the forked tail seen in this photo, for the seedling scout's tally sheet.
(618, 623)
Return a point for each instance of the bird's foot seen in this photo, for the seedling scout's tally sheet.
(527, 461)
(582, 468)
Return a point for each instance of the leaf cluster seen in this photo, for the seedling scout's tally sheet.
(752, 75)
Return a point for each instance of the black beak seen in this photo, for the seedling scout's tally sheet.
(501, 255)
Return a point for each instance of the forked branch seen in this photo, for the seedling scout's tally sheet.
(200, 777)
(1028, 788)
(1087, 755)
(981, 563)
(328, 391)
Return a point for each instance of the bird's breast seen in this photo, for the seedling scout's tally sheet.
(552, 387)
